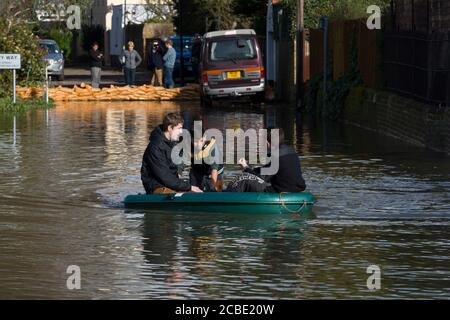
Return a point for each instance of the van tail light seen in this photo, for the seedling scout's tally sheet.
(263, 73)
(205, 77)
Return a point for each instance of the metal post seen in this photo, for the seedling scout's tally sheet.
(300, 53)
(393, 23)
(46, 84)
(14, 85)
(124, 23)
(46, 91)
(14, 130)
(181, 45)
(324, 26)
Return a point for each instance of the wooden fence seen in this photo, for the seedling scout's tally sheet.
(341, 35)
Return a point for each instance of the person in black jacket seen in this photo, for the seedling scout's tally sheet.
(159, 174)
(287, 179)
(156, 64)
(96, 61)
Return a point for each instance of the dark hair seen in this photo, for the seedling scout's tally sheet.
(168, 41)
(172, 120)
(94, 44)
(280, 135)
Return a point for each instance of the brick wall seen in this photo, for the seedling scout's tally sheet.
(396, 116)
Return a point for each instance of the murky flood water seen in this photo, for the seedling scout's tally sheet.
(64, 173)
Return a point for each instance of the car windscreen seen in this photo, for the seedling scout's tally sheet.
(232, 49)
(51, 48)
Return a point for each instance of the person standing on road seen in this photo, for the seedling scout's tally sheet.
(130, 60)
(155, 64)
(96, 61)
(169, 63)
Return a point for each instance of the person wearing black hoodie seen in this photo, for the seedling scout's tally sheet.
(96, 61)
(159, 174)
(155, 64)
(287, 179)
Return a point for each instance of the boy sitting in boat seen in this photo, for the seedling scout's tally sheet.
(287, 179)
(159, 174)
(207, 175)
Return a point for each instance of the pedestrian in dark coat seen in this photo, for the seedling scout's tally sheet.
(96, 62)
(156, 64)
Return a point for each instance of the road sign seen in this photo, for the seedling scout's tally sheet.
(9, 61)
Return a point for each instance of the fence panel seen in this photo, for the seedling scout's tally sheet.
(418, 65)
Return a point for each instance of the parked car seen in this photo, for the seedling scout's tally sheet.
(187, 54)
(231, 65)
(54, 58)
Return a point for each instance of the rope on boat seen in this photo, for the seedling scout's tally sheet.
(283, 205)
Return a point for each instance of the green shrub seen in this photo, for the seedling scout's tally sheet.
(336, 91)
(20, 39)
(21, 106)
(334, 9)
(63, 39)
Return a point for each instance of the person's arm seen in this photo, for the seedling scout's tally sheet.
(174, 56)
(214, 177)
(255, 171)
(93, 55)
(139, 59)
(246, 168)
(160, 168)
(122, 58)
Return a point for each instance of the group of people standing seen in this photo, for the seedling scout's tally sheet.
(161, 62)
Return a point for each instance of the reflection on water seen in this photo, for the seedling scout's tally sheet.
(64, 173)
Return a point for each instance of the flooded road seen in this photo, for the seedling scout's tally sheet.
(65, 172)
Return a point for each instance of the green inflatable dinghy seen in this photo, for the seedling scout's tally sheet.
(225, 202)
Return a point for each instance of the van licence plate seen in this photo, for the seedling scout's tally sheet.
(234, 75)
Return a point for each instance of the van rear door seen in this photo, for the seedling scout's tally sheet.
(233, 62)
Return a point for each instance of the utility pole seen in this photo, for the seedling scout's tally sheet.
(124, 12)
(324, 27)
(181, 45)
(300, 49)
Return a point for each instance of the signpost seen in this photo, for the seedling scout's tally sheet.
(10, 61)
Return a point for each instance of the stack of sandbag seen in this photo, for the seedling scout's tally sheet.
(85, 92)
